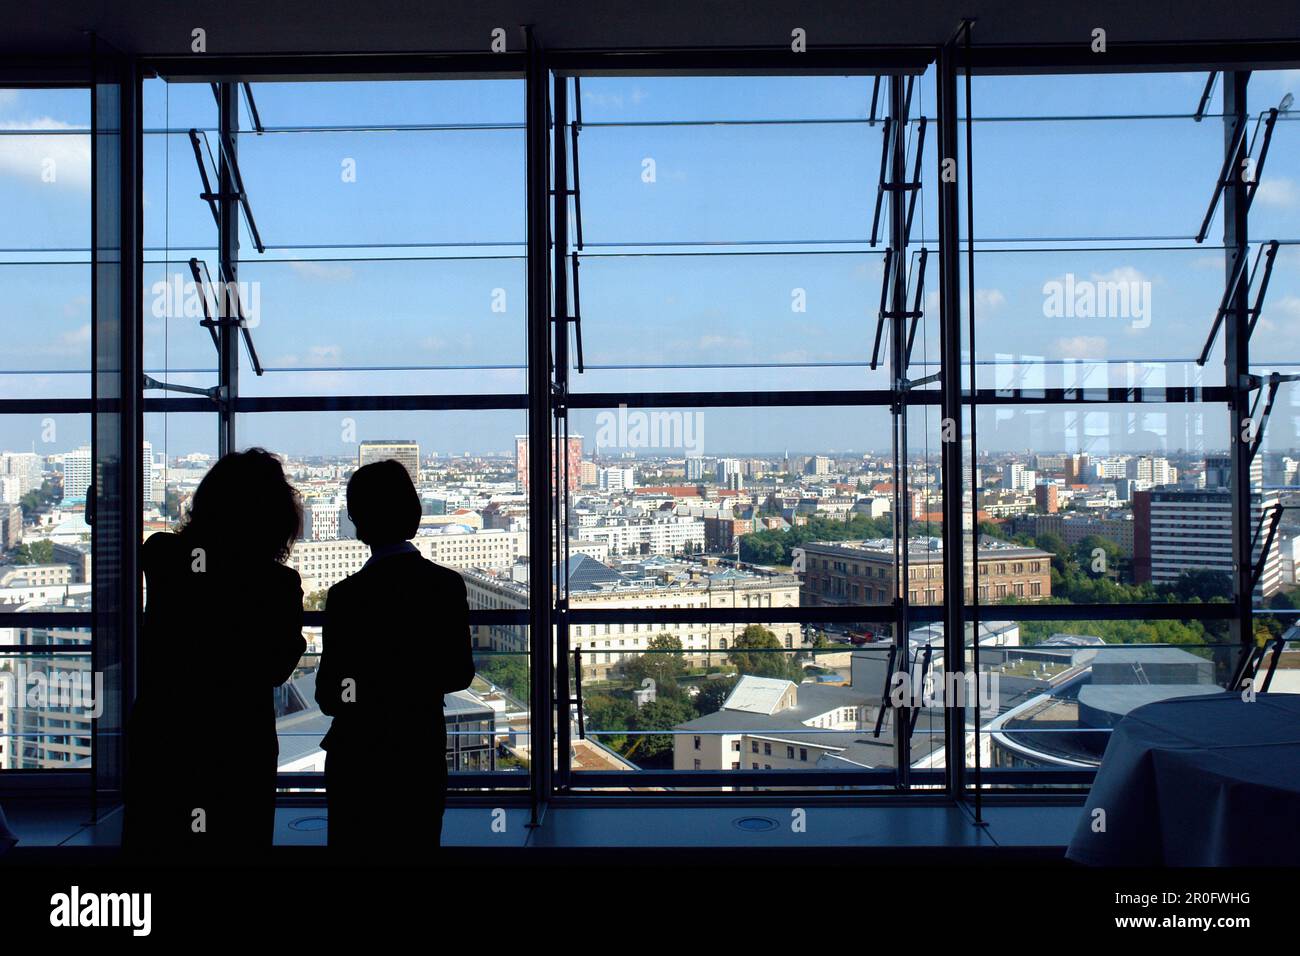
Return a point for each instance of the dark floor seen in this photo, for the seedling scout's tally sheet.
(1039, 832)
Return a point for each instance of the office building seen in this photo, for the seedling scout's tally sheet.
(406, 453)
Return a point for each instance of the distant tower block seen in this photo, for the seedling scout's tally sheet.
(407, 453)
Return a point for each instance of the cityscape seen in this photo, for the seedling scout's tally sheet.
(657, 530)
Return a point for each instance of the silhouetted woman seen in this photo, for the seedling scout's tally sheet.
(222, 629)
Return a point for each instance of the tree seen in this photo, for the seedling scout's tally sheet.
(506, 670)
(315, 601)
(1111, 557)
(713, 694)
(40, 498)
(661, 714)
(37, 552)
(1200, 584)
(610, 716)
(756, 652)
(761, 547)
(662, 663)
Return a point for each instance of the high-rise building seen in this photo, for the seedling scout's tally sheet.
(146, 472)
(1218, 472)
(1018, 478)
(1045, 497)
(326, 519)
(405, 453)
(616, 479)
(1076, 468)
(1178, 530)
(729, 473)
(1149, 471)
(77, 474)
(573, 463)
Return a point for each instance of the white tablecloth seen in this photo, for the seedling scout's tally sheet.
(1198, 781)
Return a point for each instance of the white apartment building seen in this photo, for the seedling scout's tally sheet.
(616, 479)
(79, 473)
(326, 519)
(322, 564)
(656, 535)
(605, 647)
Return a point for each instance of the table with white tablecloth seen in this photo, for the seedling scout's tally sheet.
(1197, 781)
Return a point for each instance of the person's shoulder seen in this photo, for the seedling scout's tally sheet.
(283, 574)
(160, 541)
(341, 588)
(161, 548)
(446, 577)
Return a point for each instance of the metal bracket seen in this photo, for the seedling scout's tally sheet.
(1268, 254)
(885, 703)
(925, 669)
(1235, 157)
(915, 314)
(1274, 519)
(1205, 96)
(200, 144)
(893, 129)
(216, 392)
(228, 293)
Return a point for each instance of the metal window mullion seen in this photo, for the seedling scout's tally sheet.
(559, 389)
(227, 265)
(539, 427)
(1236, 351)
(954, 647)
(898, 200)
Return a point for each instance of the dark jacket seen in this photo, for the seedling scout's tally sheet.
(398, 630)
(219, 634)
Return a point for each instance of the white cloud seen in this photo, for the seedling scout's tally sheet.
(1126, 274)
(324, 271)
(1278, 191)
(987, 301)
(615, 100)
(35, 157)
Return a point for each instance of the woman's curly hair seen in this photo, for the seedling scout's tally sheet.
(245, 506)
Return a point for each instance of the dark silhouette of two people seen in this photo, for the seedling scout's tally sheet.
(223, 628)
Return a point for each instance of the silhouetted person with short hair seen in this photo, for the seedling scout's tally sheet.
(396, 639)
(222, 629)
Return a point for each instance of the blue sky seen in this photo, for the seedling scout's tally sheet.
(332, 307)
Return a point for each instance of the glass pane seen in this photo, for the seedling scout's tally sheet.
(48, 701)
(1050, 692)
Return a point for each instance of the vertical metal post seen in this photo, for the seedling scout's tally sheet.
(1236, 357)
(954, 578)
(974, 416)
(898, 198)
(116, 423)
(560, 391)
(539, 428)
(227, 265)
